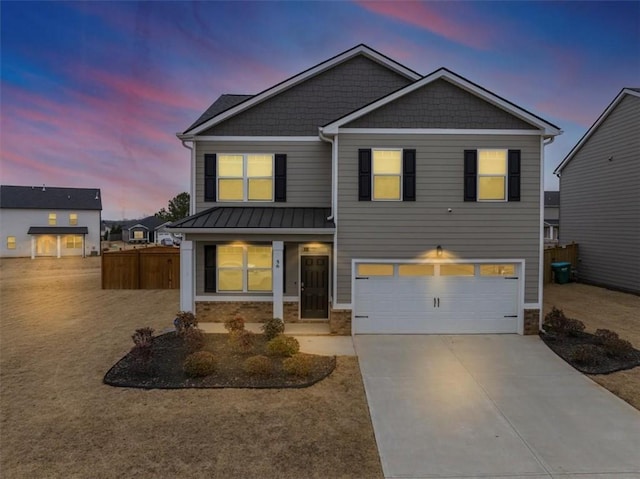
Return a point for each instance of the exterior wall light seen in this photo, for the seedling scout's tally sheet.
(439, 251)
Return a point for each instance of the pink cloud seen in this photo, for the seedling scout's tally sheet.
(427, 17)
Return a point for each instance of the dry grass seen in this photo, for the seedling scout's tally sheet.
(600, 308)
(60, 333)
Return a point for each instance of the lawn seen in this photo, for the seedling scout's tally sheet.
(599, 308)
(60, 333)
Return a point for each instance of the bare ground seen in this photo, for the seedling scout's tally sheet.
(59, 334)
(601, 308)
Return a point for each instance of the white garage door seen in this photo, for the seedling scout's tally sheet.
(435, 298)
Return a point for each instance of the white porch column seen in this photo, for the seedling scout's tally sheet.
(551, 232)
(58, 246)
(33, 247)
(278, 292)
(84, 251)
(186, 277)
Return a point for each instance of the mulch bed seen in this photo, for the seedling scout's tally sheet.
(564, 346)
(164, 370)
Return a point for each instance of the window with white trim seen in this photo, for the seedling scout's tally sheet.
(386, 175)
(138, 234)
(492, 175)
(247, 177)
(73, 241)
(11, 242)
(52, 219)
(73, 219)
(244, 268)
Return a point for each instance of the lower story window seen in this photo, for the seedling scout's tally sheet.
(74, 241)
(11, 242)
(138, 234)
(244, 268)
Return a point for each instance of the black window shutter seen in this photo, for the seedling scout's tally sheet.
(210, 177)
(470, 175)
(210, 269)
(281, 178)
(408, 175)
(514, 175)
(364, 175)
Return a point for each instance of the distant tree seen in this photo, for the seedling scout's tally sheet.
(178, 208)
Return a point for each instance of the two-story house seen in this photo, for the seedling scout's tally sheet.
(49, 221)
(362, 193)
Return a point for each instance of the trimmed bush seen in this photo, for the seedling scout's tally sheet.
(235, 324)
(556, 322)
(143, 337)
(199, 364)
(284, 346)
(185, 320)
(258, 366)
(193, 339)
(587, 355)
(297, 365)
(241, 341)
(142, 351)
(272, 328)
(617, 348)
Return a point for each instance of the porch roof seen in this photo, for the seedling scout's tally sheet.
(58, 230)
(258, 218)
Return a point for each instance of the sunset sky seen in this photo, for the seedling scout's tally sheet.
(93, 93)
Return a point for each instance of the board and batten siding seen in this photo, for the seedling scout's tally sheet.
(600, 200)
(308, 171)
(408, 230)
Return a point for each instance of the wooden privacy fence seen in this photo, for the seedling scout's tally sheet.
(567, 253)
(143, 268)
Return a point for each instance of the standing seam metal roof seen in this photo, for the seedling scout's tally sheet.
(223, 217)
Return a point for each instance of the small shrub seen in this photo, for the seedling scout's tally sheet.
(604, 335)
(556, 322)
(142, 351)
(143, 337)
(617, 348)
(258, 366)
(297, 365)
(283, 345)
(272, 328)
(199, 364)
(241, 341)
(193, 339)
(184, 321)
(235, 324)
(587, 355)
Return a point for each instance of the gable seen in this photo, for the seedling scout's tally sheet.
(301, 109)
(440, 104)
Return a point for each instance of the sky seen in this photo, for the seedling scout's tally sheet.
(93, 93)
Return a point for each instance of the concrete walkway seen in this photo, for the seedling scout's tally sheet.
(492, 406)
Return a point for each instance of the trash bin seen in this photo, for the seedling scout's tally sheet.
(561, 272)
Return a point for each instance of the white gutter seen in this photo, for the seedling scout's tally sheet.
(334, 171)
(192, 181)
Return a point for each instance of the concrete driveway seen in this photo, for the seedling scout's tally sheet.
(492, 406)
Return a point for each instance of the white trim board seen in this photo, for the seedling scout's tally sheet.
(436, 131)
(249, 139)
(262, 231)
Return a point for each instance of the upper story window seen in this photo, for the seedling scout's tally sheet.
(245, 177)
(53, 218)
(387, 174)
(11, 242)
(73, 219)
(492, 175)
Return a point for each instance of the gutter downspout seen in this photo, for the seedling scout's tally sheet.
(334, 171)
(543, 142)
(333, 216)
(192, 181)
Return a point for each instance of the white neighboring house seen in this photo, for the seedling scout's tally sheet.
(49, 221)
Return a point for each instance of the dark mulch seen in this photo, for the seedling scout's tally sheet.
(564, 346)
(164, 370)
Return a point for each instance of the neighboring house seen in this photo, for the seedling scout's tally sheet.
(361, 193)
(141, 231)
(49, 221)
(165, 237)
(551, 217)
(600, 196)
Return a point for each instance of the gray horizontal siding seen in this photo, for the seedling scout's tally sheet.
(308, 171)
(439, 105)
(317, 101)
(600, 200)
(407, 230)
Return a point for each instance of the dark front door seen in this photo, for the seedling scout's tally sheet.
(314, 287)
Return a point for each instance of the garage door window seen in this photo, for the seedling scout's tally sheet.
(375, 270)
(457, 270)
(497, 269)
(415, 270)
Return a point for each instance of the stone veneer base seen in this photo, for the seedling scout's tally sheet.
(531, 321)
(250, 311)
